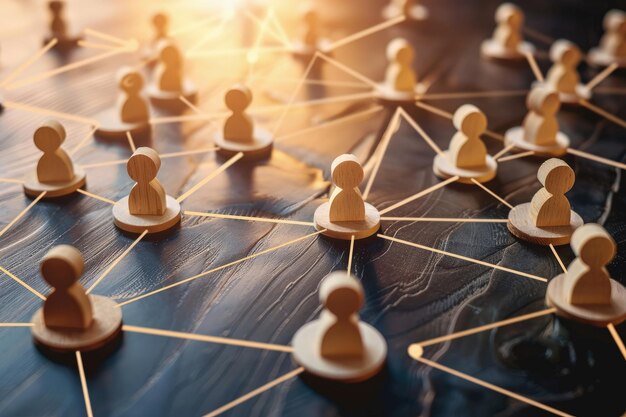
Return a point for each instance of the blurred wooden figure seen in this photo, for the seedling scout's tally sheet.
(586, 292)
(168, 82)
(412, 10)
(548, 218)
(131, 113)
(467, 157)
(147, 207)
(58, 27)
(400, 85)
(240, 133)
(311, 41)
(55, 173)
(160, 26)
(507, 42)
(612, 48)
(540, 130)
(70, 319)
(563, 76)
(338, 345)
(346, 214)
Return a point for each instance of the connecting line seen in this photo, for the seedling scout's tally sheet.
(473, 94)
(22, 283)
(83, 141)
(238, 51)
(534, 67)
(503, 151)
(516, 156)
(22, 213)
(350, 253)
(480, 329)
(162, 156)
(176, 284)
(488, 385)
(117, 261)
(601, 112)
(601, 76)
(248, 218)
(334, 122)
(278, 36)
(595, 158)
(29, 62)
(558, 258)
(206, 338)
(420, 194)
(210, 34)
(465, 258)
(617, 339)
(83, 383)
(450, 116)
(494, 195)
(538, 35)
(106, 37)
(193, 25)
(253, 55)
(331, 83)
(11, 181)
(92, 45)
(391, 129)
(131, 141)
(366, 32)
(16, 324)
(421, 131)
(348, 70)
(256, 392)
(60, 115)
(97, 197)
(209, 177)
(443, 220)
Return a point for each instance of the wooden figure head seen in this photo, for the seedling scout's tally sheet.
(544, 101)
(469, 120)
(566, 53)
(238, 98)
(129, 80)
(310, 17)
(400, 50)
(556, 176)
(510, 15)
(143, 166)
(62, 266)
(593, 245)
(56, 6)
(341, 294)
(50, 136)
(346, 171)
(160, 21)
(615, 21)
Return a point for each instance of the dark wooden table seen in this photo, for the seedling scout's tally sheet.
(412, 295)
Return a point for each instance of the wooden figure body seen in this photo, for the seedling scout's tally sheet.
(400, 76)
(239, 127)
(346, 201)
(467, 150)
(563, 76)
(342, 297)
(68, 306)
(509, 21)
(160, 23)
(133, 107)
(147, 197)
(541, 125)
(311, 29)
(169, 72)
(55, 165)
(614, 40)
(549, 206)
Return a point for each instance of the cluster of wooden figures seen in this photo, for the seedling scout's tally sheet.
(338, 346)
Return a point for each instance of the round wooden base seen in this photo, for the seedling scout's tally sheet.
(491, 49)
(598, 57)
(345, 230)
(107, 324)
(63, 44)
(306, 352)
(598, 314)
(112, 127)
(32, 187)
(521, 225)
(417, 12)
(443, 168)
(138, 223)
(170, 100)
(386, 95)
(515, 136)
(261, 147)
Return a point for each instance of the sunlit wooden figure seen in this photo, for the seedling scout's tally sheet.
(147, 207)
(311, 41)
(338, 345)
(540, 130)
(612, 48)
(55, 173)
(346, 214)
(586, 291)
(548, 218)
(507, 42)
(58, 27)
(467, 156)
(412, 10)
(70, 319)
(563, 76)
(400, 84)
(169, 82)
(131, 112)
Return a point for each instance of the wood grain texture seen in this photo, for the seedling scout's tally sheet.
(411, 295)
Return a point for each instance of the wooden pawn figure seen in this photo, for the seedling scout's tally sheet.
(160, 24)
(400, 76)
(467, 150)
(147, 197)
(563, 76)
(169, 72)
(342, 298)
(55, 165)
(58, 27)
(587, 280)
(509, 21)
(132, 105)
(549, 206)
(239, 127)
(614, 40)
(68, 306)
(311, 29)
(540, 124)
(346, 201)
